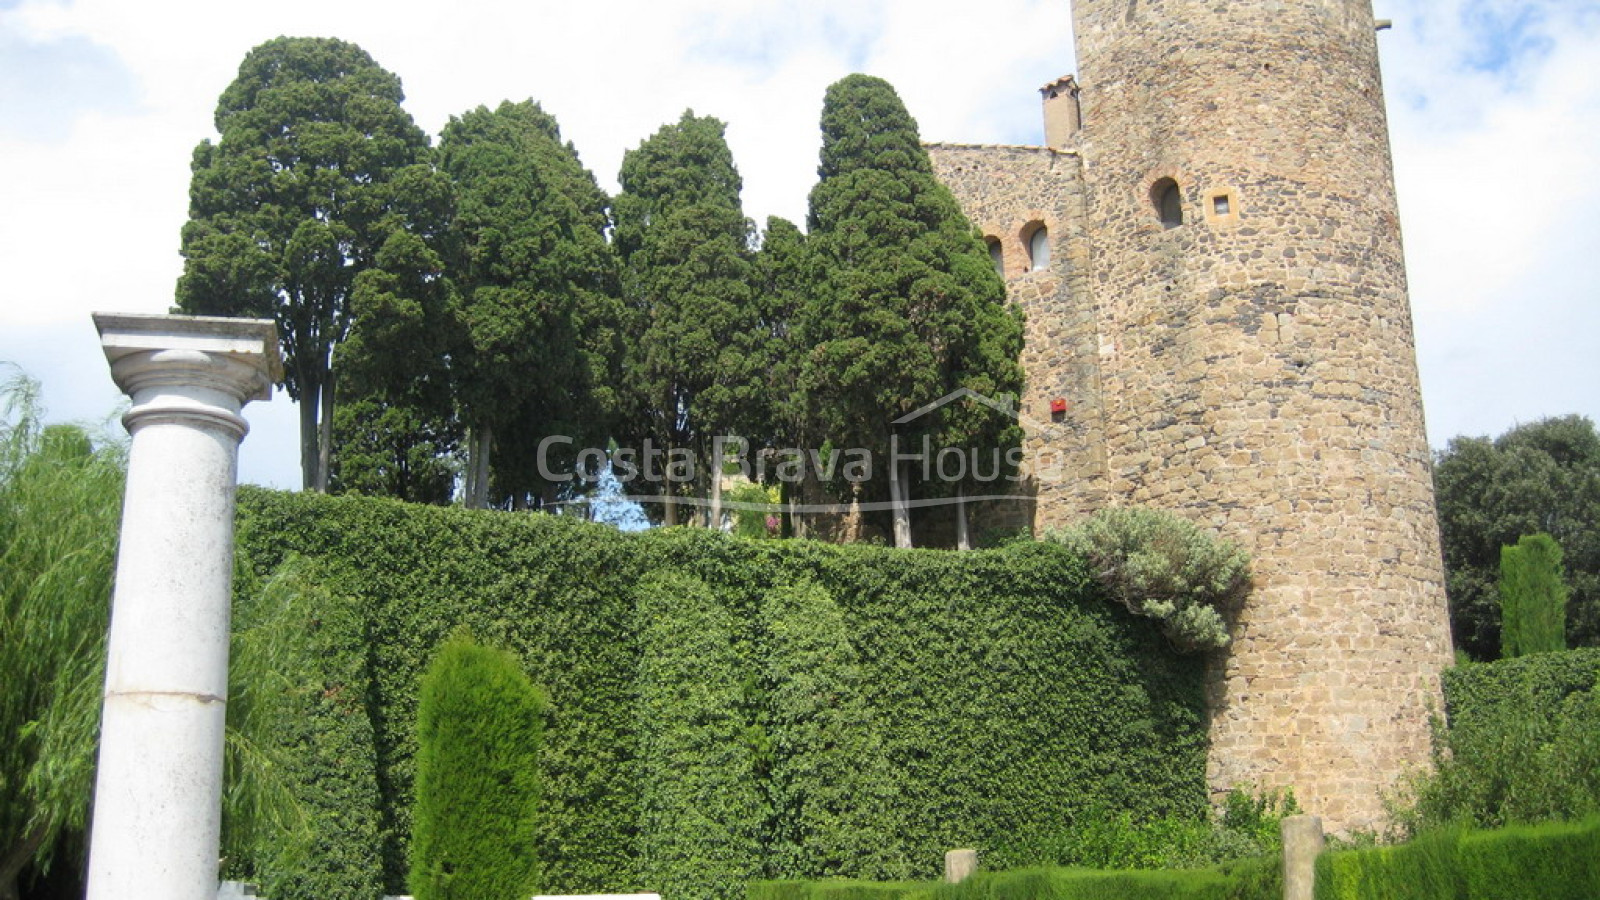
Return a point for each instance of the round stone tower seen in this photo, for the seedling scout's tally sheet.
(1258, 373)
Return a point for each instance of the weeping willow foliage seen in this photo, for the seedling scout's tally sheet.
(60, 500)
(60, 511)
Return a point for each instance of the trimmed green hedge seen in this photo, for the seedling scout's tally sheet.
(1252, 879)
(841, 889)
(325, 738)
(1008, 699)
(1550, 862)
(1554, 861)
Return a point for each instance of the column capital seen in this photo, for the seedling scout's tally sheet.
(190, 367)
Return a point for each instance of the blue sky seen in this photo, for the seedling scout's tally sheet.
(1494, 110)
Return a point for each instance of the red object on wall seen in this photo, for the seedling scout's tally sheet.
(1058, 405)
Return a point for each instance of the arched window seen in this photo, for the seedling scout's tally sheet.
(996, 255)
(1169, 202)
(1039, 248)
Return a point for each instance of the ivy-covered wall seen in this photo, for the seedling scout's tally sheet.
(984, 699)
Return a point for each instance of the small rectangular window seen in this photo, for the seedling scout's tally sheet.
(1219, 205)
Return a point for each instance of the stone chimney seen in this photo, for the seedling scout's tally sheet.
(1061, 114)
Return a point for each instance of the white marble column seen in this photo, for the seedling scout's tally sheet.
(158, 791)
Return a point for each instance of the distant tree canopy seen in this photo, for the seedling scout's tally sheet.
(1538, 478)
(317, 169)
(907, 307)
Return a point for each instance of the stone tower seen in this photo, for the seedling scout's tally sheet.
(1221, 308)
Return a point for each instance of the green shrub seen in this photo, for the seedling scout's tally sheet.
(1161, 565)
(1424, 869)
(479, 721)
(1248, 827)
(1007, 695)
(316, 694)
(1260, 878)
(1533, 597)
(1087, 884)
(757, 513)
(1520, 744)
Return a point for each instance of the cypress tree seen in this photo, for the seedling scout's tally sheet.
(1533, 597)
(479, 725)
(538, 338)
(909, 307)
(785, 276)
(688, 281)
(317, 166)
(395, 427)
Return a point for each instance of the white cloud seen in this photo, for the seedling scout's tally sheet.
(1494, 162)
(1496, 121)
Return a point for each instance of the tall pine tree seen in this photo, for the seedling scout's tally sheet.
(909, 307)
(688, 281)
(294, 202)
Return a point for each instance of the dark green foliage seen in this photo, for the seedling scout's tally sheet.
(835, 811)
(1547, 862)
(689, 285)
(537, 334)
(479, 723)
(312, 688)
(1522, 744)
(786, 277)
(700, 808)
(1533, 597)
(393, 450)
(316, 168)
(907, 308)
(1161, 565)
(395, 427)
(1542, 477)
(1007, 695)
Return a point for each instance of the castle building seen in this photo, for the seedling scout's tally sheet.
(1208, 252)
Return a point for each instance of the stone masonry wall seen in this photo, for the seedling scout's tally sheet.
(1251, 368)
(1008, 192)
